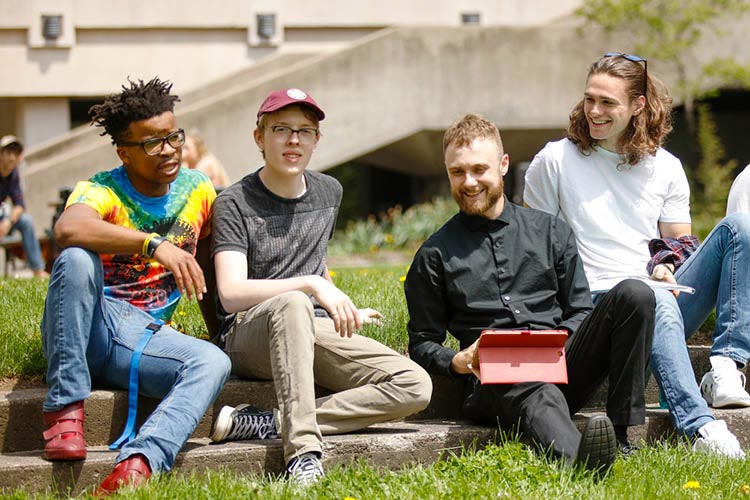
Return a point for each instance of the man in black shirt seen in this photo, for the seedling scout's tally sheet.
(500, 266)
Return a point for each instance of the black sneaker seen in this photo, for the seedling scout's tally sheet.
(243, 422)
(598, 447)
(305, 469)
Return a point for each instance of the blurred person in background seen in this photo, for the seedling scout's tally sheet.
(195, 155)
(13, 216)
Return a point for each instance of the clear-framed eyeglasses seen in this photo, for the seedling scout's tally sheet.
(306, 135)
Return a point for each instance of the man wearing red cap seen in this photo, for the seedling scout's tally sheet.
(284, 319)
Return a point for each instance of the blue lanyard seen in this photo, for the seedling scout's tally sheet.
(129, 433)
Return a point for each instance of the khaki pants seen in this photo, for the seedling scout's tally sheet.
(280, 339)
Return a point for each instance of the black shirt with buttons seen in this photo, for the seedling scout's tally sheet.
(519, 271)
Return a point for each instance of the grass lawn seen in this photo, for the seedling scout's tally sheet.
(506, 471)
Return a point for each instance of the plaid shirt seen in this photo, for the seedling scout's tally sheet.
(673, 251)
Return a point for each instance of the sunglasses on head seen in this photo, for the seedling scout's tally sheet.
(635, 59)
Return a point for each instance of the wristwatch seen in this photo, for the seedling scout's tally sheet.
(153, 243)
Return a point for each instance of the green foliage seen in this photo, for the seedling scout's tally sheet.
(396, 230)
(668, 30)
(711, 177)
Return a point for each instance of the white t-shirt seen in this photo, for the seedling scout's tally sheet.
(613, 208)
(739, 195)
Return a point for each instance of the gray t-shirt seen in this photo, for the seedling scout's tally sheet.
(281, 237)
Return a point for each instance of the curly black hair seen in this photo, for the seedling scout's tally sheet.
(140, 101)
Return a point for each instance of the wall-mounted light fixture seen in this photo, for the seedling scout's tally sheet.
(266, 24)
(52, 26)
(471, 18)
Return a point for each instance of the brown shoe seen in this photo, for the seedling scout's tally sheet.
(132, 471)
(64, 434)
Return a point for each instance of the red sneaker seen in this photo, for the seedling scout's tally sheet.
(132, 471)
(64, 434)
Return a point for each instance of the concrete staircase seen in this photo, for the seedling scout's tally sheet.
(422, 438)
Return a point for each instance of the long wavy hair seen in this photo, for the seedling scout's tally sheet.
(647, 130)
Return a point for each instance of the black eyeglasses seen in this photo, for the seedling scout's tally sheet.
(307, 135)
(155, 145)
(635, 59)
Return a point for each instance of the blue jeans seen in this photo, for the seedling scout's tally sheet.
(720, 273)
(89, 339)
(25, 225)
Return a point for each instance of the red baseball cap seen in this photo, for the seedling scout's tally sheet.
(281, 98)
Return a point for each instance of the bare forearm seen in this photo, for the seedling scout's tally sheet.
(16, 213)
(242, 295)
(99, 236)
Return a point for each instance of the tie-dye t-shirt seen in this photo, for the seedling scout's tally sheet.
(183, 216)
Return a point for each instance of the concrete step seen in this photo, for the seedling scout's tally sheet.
(391, 445)
(21, 424)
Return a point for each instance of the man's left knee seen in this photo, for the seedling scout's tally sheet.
(636, 294)
(416, 386)
(739, 222)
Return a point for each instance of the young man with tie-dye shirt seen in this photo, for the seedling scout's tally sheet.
(130, 237)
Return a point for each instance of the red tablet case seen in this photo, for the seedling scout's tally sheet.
(512, 356)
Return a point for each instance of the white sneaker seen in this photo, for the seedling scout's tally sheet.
(716, 438)
(724, 385)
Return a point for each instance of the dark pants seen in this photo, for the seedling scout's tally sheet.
(613, 342)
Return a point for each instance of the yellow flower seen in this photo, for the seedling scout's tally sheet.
(388, 238)
(181, 313)
(332, 273)
(691, 485)
(349, 498)
(373, 248)
(745, 489)
(402, 279)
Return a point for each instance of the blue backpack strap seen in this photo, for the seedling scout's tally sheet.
(129, 433)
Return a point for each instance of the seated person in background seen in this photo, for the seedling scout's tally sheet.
(739, 196)
(11, 152)
(287, 321)
(130, 237)
(496, 265)
(195, 155)
(626, 198)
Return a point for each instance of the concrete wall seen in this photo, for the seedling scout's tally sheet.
(193, 42)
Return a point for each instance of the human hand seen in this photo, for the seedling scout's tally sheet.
(187, 273)
(664, 272)
(5, 226)
(368, 316)
(346, 318)
(466, 361)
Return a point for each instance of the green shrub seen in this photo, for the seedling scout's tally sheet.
(394, 230)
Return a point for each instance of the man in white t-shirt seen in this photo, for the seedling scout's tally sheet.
(626, 199)
(739, 194)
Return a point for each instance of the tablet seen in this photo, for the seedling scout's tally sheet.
(513, 356)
